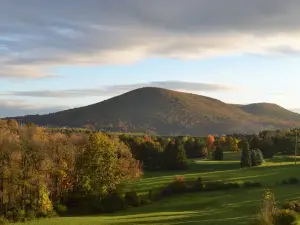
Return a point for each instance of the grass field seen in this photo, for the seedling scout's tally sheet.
(210, 208)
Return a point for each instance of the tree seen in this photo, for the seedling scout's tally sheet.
(218, 153)
(246, 155)
(100, 172)
(175, 157)
(151, 154)
(256, 157)
(210, 140)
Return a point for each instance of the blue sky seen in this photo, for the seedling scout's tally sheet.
(50, 63)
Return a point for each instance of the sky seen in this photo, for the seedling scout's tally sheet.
(56, 55)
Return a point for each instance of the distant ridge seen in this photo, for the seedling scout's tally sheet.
(168, 112)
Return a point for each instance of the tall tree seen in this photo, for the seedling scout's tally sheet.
(246, 155)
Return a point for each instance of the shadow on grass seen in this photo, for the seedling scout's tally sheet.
(226, 208)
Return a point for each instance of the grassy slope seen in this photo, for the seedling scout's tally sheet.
(174, 112)
(226, 208)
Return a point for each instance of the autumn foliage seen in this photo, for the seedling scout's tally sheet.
(38, 169)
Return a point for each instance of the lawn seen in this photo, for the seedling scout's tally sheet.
(211, 208)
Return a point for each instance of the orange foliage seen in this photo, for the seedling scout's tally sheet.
(210, 140)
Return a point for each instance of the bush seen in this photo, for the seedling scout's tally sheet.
(155, 194)
(293, 180)
(268, 210)
(146, 202)
(284, 182)
(250, 184)
(19, 215)
(175, 188)
(10, 216)
(112, 203)
(3, 221)
(214, 185)
(285, 217)
(219, 185)
(61, 209)
(292, 205)
(198, 185)
(132, 199)
(31, 215)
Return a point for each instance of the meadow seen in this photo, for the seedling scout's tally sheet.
(208, 208)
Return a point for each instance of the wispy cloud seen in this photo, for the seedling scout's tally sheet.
(119, 89)
(38, 35)
(296, 110)
(20, 108)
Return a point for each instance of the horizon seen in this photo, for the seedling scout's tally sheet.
(56, 56)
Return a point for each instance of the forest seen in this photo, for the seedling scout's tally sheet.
(47, 173)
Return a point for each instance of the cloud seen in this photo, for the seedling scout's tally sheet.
(38, 35)
(119, 89)
(19, 108)
(296, 110)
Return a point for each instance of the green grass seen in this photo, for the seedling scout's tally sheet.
(211, 208)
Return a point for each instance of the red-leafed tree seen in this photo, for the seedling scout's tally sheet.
(210, 140)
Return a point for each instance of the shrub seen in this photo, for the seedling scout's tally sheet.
(31, 215)
(250, 184)
(132, 199)
(284, 182)
(155, 194)
(285, 217)
(179, 178)
(293, 180)
(146, 201)
(19, 215)
(112, 203)
(214, 186)
(233, 185)
(268, 210)
(220, 185)
(198, 185)
(174, 188)
(10, 216)
(3, 221)
(61, 209)
(292, 205)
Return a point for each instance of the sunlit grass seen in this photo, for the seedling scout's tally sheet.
(211, 208)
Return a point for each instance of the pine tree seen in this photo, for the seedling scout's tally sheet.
(256, 157)
(246, 155)
(218, 153)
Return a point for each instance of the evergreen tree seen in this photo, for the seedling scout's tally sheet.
(256, 157)
(218, 153)
(246, 155)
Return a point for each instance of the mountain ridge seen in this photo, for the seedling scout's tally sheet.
(169, 112)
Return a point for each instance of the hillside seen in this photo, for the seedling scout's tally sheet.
(170, 112)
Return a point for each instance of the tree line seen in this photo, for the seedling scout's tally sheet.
(38, 170)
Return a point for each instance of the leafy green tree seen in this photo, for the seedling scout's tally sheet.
(175, 157)
(99, 166)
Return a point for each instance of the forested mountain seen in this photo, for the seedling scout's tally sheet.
(169, 112)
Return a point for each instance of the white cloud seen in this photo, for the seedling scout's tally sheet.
(119, 89)
(9, 108)
(38, 35)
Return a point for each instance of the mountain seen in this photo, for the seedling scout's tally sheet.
(169, 112)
